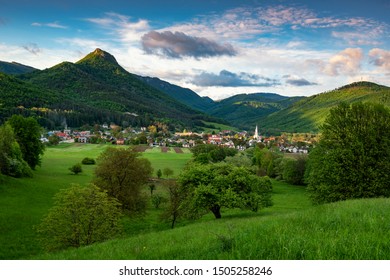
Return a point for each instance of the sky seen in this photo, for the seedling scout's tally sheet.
(218, 48)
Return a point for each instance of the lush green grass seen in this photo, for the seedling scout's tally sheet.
(23, 202)
(346, 230)
(291, 229)
(171, 159)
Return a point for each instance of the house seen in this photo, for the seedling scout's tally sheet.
(229, 144)
(214, 139)
(120, 141)
(82, 139)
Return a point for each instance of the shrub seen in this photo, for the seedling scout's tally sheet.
(76, 169)
(88, 161)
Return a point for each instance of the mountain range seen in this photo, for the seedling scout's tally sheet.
(96, 89)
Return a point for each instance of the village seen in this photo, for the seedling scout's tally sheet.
(154, 136)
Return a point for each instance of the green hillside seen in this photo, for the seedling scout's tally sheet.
(14, 68)
(244, 110)
(291, 229)
(309, 113)
(184, 95)
(349, 230)
(97, 86)
(15, 95)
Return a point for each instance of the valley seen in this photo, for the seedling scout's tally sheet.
(97, 90)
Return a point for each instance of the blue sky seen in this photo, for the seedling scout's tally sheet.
(217, 48)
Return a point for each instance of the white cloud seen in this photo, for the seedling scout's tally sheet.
(380, 58)
(128, 31)
(346, 62)
(44, 58)
(55, 24)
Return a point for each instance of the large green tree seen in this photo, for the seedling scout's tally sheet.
(11, 158)
(352, 159)
(80, 216)
(27, 134)
(122, 173)
(213, 186)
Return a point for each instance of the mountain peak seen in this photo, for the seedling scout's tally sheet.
(98, 55)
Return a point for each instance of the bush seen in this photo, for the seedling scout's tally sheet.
(80, 216)
(88, 161)
(76, 169)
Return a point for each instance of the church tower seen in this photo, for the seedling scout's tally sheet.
(256, 136)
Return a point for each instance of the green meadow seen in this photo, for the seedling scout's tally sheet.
(291, 229)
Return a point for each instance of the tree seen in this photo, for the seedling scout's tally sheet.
(54, 140)
(159, 173)
(11, 158)
(213, 186)
(352, 158)
(152, 187)
(167, 172)
(80, 216)
(204, 153)
(122, 174)
(76, 169)
(157, 200)
(175, 207)
(27, 134)
(293, 170)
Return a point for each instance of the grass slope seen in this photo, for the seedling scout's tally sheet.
(308, 114)
(23, 202)
(291, 229)
(353, 230)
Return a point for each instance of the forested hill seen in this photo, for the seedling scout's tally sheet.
(97, 89)
(13, 68)
(244, 110)
(309, 113)
(184, 95)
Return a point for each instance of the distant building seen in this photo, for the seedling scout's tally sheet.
(256, 136)
(214, 139)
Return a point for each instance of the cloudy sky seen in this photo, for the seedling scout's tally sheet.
(217, 48)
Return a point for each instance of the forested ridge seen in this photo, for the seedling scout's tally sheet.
(96, 89)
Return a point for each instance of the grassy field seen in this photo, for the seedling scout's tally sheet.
(23, 202)
(352, 230)
(291, 229)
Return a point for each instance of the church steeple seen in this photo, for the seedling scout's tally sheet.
(256, 136)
